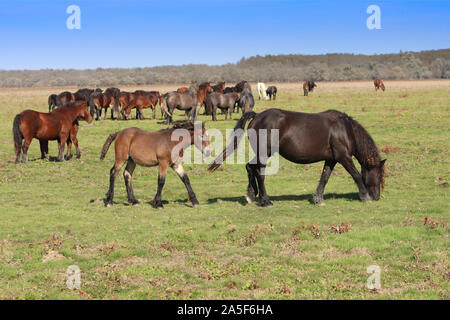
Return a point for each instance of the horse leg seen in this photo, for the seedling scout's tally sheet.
(127, 174)
(154, 112)
(141, 113)
(258, 169)
(252, 189)
(25, 147)
(326, 172)
(112, 179)
(18, 151)
(98, 114)
(231, 113)
(184, 177)
(73, 137)
(106, 112)
(112, 114)
(62, 143)
(44, 149)
(161, 180)
(68, 155)
(214, 113)
(348, 164)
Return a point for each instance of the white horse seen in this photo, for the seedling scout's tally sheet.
(261, 88)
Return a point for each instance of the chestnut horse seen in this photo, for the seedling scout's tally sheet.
(136, 146)
(379, 84)
(142, 100)
(330, 136)
(56, 125)
(122, 100)
(98, 102)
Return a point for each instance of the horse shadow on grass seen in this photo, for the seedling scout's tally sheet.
(50, 159)
(353, 196)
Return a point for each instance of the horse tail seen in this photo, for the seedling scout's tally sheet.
(91, 105)
(50, 103)
(18, 137)
(107, 144)
(164, 106)
(238, 133)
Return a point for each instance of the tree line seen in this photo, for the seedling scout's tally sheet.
(269, 68)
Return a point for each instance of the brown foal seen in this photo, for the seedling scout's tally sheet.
(136, 146)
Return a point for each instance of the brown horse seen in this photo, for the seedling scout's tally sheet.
(98, 102)
(308, 86)
(379, 84)
(329, 136)
(136, 146)
(122, 100)
(56, 125)
(142, 100)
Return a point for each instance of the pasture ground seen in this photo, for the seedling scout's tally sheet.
(52, 214)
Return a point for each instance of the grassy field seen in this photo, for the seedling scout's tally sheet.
(52, 214)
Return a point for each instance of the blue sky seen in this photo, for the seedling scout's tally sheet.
(131, 33)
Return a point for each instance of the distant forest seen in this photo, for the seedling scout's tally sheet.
(269, 68)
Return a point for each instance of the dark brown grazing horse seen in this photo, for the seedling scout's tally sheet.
(52, 104)
(308, 86)
(379, 84)
(142, 100)
(136, 146)
(329, 136)
(56, 125)
(219, 87)
(225, 102)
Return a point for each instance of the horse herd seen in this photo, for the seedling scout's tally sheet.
(331, 136)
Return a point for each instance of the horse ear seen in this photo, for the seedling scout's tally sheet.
(382, 163)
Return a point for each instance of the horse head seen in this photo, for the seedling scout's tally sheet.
(373, 178)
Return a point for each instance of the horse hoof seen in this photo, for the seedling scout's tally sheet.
(318, 200)
(266, 203)
(108, 205)
(249, 200)
(160, 207)
(365, 198)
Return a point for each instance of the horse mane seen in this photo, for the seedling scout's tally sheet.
(366, 149)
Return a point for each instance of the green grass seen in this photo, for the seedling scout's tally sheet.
(227, 249)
